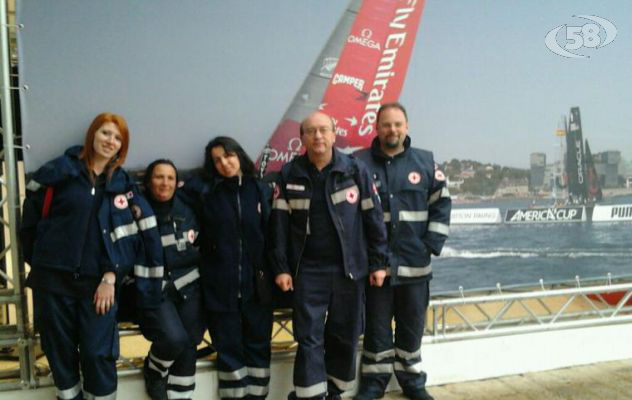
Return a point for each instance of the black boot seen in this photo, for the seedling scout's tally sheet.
(155, 385)
(420, 394)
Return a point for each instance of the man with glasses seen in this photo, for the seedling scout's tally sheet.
(328, 234)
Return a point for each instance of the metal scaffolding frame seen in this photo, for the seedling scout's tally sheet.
(16, 334)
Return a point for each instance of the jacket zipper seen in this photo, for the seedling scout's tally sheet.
(239, 267)
(85, 230)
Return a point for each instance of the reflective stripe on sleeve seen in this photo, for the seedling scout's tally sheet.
(412, 272)
(299, 204)
(148, 272)
(280, 204)
(439, 227)
(443, 192)
(413, 216)
(123, 231)
(341, 195)
(387, 216)
(186, 279)
(367, 204)
(147, 223)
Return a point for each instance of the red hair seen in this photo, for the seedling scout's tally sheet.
(87, 154)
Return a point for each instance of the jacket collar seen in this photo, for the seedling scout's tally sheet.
(70, 166)
(340, 163)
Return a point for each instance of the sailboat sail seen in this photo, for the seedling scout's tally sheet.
(594, 193)
(575, 164)
(362, 65)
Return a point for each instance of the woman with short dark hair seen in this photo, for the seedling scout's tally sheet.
(176, 327)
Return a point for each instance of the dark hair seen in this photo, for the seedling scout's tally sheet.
(386, 106)
(229, 145)
(149, 171)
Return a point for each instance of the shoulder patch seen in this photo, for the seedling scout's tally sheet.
(120, 201)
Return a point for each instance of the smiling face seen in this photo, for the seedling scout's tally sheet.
(107, 141)
(226, 164)
(318, 135)
(392, 129)
(163, 182)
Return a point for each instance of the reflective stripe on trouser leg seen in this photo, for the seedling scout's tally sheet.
(378, 353)
(257, 323)
(226, 330)
(312, 291)
(342, 332)
(181, 380)
(55, 318)
(411, 302)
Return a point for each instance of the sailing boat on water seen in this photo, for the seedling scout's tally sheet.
(580, 179)
(362, 65)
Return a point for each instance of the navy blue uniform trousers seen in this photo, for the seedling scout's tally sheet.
(175, 329)
(73, 335)
(242, 341)
(327, 322)
(382, 356)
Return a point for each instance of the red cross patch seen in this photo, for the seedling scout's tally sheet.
(191, 235)
(439, 175)
(414, 177)
(352, 196)
(120, 201)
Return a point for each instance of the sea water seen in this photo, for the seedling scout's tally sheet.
(481, 256)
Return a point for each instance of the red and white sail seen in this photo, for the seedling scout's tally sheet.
(362, 66)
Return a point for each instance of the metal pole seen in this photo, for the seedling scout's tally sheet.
(13, 196)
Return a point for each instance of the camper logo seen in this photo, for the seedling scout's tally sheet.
(591, 35)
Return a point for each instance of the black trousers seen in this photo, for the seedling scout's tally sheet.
(242, 341)
(382, 355)
(74, 337)
(175, 329)
(327, 322)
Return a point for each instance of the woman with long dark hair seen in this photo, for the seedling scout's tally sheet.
(176, 327)
(85, 227)
(233, 208)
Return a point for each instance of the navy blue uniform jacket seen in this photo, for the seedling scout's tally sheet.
(126, 221)
(354, 207)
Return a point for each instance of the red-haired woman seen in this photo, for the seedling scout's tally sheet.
(85, 226)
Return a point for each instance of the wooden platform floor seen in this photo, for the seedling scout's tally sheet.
(603, 381)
